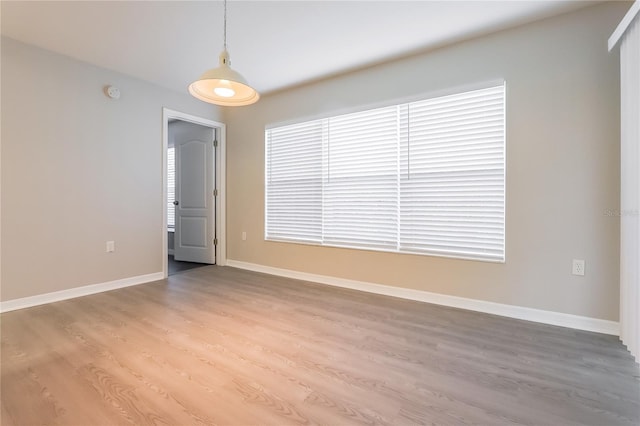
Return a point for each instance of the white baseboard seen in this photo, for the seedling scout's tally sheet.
(511, 311)
(56, 296)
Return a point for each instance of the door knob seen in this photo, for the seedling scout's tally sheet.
(175, 203)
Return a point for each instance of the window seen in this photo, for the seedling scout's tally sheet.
(425, 177)
(171, 187)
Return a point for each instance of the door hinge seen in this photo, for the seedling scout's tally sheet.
(215, 192)
(215, 142)
(215, 241)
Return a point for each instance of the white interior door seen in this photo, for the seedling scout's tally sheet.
(194, 192)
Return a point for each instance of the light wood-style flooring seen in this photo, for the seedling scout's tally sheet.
(217, 345)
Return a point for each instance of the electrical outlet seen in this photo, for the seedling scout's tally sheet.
(244, 236)
(578, 267)
(111, 246)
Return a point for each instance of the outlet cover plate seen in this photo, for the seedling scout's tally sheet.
(578, 267)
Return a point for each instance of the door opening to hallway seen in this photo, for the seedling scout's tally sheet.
(191, 195)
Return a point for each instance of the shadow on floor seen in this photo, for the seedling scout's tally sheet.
(176, 266)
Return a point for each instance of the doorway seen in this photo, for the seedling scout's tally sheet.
(194, 196)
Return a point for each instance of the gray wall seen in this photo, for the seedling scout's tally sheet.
(79, 169)
(562, 166)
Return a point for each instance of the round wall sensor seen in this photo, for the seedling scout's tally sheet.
(113, 92)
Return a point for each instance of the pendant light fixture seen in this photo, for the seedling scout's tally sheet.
(222, 85)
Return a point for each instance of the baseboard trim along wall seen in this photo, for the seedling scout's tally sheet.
(511, 311)
(56, 296)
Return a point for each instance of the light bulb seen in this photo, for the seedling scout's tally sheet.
(224, 89)
(225, 92)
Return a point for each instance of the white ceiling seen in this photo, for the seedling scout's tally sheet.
(274, 44)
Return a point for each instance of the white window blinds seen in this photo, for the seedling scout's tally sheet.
(452, 186)
(420, 177)
(171, 187)
(360, 199)
(294, 182)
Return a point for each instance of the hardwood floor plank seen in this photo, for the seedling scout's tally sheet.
(221, 346)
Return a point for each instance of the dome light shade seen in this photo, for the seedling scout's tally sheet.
(223, 86)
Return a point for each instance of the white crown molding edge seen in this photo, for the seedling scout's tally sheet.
(56, 296)
(511, 311)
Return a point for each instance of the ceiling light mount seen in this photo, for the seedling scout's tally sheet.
(222, 85)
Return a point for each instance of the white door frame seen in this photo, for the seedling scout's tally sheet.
(220, 183)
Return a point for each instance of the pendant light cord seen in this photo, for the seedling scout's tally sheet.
(225, 24)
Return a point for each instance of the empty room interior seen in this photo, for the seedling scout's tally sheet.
(320, 212)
